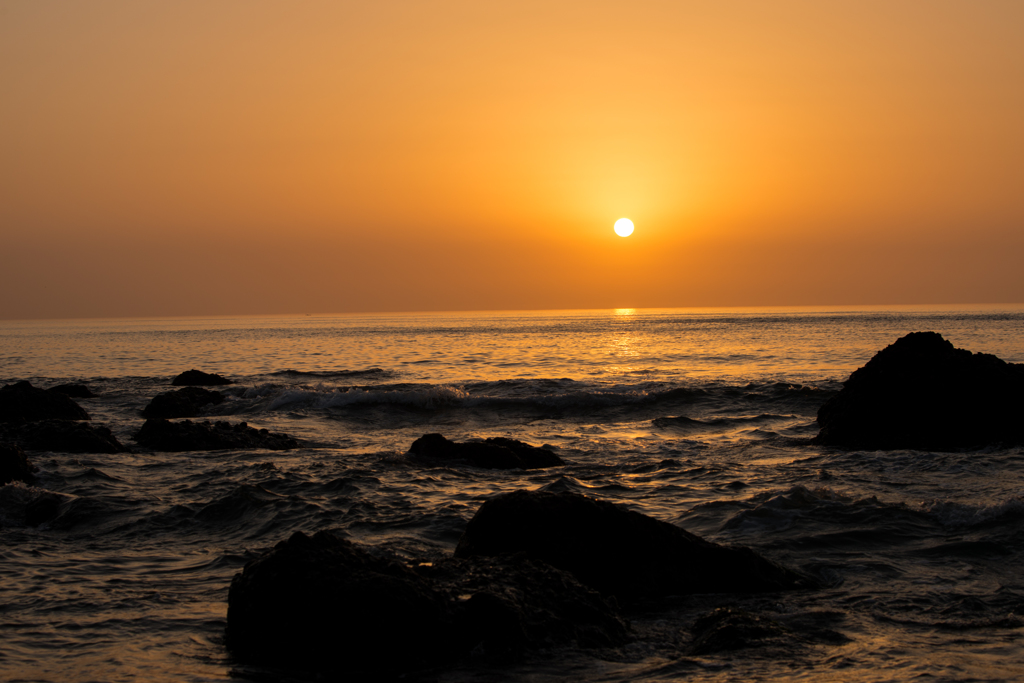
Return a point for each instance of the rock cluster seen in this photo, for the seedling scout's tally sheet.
(64, 436)
(49, 420)
(160, 435)
(187, 402)
(23, 402)
(324, 603)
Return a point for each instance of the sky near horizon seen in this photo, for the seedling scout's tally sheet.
(246, 157)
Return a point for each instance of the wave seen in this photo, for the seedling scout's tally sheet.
(954, 514)
(545, 395)
(428, 396)
(689, 425)
(334, 374)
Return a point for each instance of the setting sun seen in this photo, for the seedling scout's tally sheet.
(623, 227)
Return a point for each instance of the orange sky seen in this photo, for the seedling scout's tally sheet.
(193, 158)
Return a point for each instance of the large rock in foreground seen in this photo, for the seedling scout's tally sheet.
(198, 378)
(615, 550)
(326, 604)
(161, 435)
(185, 402)
(321, 602)
(23, 402)
(496, 453)
(922, 393)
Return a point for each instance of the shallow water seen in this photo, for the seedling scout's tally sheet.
(699, 418)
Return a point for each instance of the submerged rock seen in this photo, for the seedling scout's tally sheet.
(615, 550)
(324, 603)
(160, 435)
(14, 466)
(185, 402)
(922, 393)
(727, 629)
(198, 378)
(64, 436)
(496, 453)
(23, 402)
(73, 390)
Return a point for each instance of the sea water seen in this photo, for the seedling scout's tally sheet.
(698, 417)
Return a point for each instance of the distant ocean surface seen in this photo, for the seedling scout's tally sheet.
(698, 417)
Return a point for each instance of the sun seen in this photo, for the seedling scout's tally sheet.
(623, 227)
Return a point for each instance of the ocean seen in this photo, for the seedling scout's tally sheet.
(698, 417)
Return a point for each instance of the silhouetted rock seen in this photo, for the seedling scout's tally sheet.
(615, 550)
(185, 402)
(73, 390)
(160, 435)
(198, 378)
(23, 402)
(920, 392)
(14, 466)
(324, 603)
(496, 453)
(63, 436)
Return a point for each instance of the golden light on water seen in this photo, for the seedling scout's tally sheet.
(623, 227)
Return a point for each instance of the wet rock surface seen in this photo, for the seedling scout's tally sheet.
(615, 550)
(14, 465)
(324, 603)
(62, 436)
(922, 393)
(496, 453)
(21, 402)
(198, 378)
(187, 402)
(161, 435)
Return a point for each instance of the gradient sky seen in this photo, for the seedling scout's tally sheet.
(241, 157)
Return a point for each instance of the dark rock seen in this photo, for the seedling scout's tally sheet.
(14, 466)
(185, 402)
(198, 378)
(922, 393)
(324, 603)
(727, 629)
(517, 603)
(161, 435)
(63, 436)
(615, 550)
(73, 390)
(496, 453)
(23, 402)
